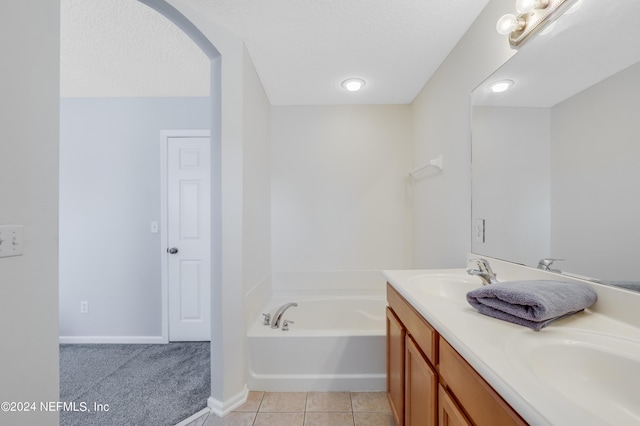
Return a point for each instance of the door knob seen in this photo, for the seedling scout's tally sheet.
(172, 250)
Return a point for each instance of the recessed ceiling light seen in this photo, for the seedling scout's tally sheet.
(353, 84)
(500, 86)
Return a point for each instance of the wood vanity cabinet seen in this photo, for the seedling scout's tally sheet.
(428, 382)
(448, 412)
(421, 388)
(473, 394)
(412, 381)
(395, 366)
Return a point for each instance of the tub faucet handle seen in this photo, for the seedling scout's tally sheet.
(285, 324)
(267, 319)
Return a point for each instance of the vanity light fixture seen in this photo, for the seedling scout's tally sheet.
(526, 6)
(353, 84)
(575, 7)
(533, 16)
(500, 86)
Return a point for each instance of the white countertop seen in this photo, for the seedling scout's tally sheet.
(489, 345)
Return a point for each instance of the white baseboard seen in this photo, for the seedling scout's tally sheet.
(197, 415)
(148, 340)
(222, 408)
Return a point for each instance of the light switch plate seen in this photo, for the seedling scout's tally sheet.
(11, 241)
(478, 230)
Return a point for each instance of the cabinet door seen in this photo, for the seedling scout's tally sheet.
(448, 412)
(421, 388)
(395, 366)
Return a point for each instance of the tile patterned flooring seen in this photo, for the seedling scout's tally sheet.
(307, 409)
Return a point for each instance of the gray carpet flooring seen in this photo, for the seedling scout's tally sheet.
(153, 385)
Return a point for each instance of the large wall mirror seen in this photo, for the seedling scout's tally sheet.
(556, 159)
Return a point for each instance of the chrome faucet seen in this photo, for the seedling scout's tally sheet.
(545, 264)
(275, 321)
(484, 271)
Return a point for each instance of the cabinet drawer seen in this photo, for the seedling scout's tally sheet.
(423, 334)
(479, 401)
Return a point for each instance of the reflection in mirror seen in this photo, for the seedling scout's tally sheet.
(555, 159)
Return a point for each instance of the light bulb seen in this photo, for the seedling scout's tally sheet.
(526, 6)
(509, 23)
(353, 84)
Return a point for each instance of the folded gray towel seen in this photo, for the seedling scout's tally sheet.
(533, 304)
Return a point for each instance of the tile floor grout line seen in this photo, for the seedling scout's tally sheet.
(353, 413)
(304, 415)
(351, 403)
(255, 416)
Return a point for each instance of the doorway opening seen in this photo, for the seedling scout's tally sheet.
(110, 271)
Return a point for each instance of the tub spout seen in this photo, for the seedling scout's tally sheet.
(275, 322)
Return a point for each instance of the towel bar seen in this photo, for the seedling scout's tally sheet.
(436, 162)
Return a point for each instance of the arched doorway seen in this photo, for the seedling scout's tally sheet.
(113, 311)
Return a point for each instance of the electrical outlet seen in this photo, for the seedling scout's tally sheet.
(478, 230)
(84, 307)
(11, 240)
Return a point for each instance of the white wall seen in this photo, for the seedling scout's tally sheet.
(109, 194)
(29, 196)
(511, 182)
(257, 193)
(228, 384)
(595, 205)
(441, 124)
(441, 121)
(30, 94)
(340, 193)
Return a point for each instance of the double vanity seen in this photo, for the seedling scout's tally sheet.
(450, 365)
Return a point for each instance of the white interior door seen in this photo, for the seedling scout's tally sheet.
(188, 229)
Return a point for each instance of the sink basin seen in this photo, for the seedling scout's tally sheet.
(450, 286)
(598, 372)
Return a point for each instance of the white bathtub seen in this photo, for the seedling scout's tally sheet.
(336, 343)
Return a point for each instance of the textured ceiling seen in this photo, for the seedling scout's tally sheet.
(122, 48)
(302, 49)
